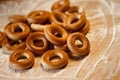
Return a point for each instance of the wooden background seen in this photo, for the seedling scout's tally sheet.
(103, 62)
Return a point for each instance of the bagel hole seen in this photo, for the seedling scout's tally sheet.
(37, 14)
(17, 29)
(55, 58)
(46, 22)
(74, 20)
(22, 58)
(59, 18)
(38, 43)
(78, 43)
(14, 43)
(57, 34)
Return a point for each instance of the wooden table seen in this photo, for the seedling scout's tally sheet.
(103, 61)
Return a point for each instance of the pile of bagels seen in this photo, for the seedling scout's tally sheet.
(54, 36)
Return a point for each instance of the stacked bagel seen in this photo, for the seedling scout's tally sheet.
(46, 34)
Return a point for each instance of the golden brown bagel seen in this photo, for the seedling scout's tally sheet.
(61, 5)
(74, 21)
(17, 18)
(37, 43)
(21, 59)
(9, 46)
(73, 9)
(84, 30)
(38, 16)
(58, 18)
(47, 62)
(56, 34)
(79, 51)
(17, 30)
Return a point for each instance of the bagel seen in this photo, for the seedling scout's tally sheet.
(21, 59)
(61, 5)
(17, 30)
(17, 18)
(56, 34)
(58, 18)
(46, 59)
(79, 51)
(9, 46)
(37, 43)
(38, 16)
(74, 21)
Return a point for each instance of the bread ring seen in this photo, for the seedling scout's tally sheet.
(18, 18)
(73, 9)
(58, 18)
(63, 47)
(46, 59)
(17, 30)
(38, 16)
(2, 38)
(37, 43)
(9, 46)
(74, 21)
(84, 30)
(38, 27)
(56, 34)
(61, 5)
(21, 59)
(79, 51)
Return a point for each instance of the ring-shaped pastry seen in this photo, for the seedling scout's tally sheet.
(73, 9)
(17, 18)
(84, 30)
(79, 51)
(9, 46)
(38, 16)
(74, 21)
(46, 59)
(58, 18)
(37, 43)
(61, 5)
(17, 30)
(56, 34)
(21, 59)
